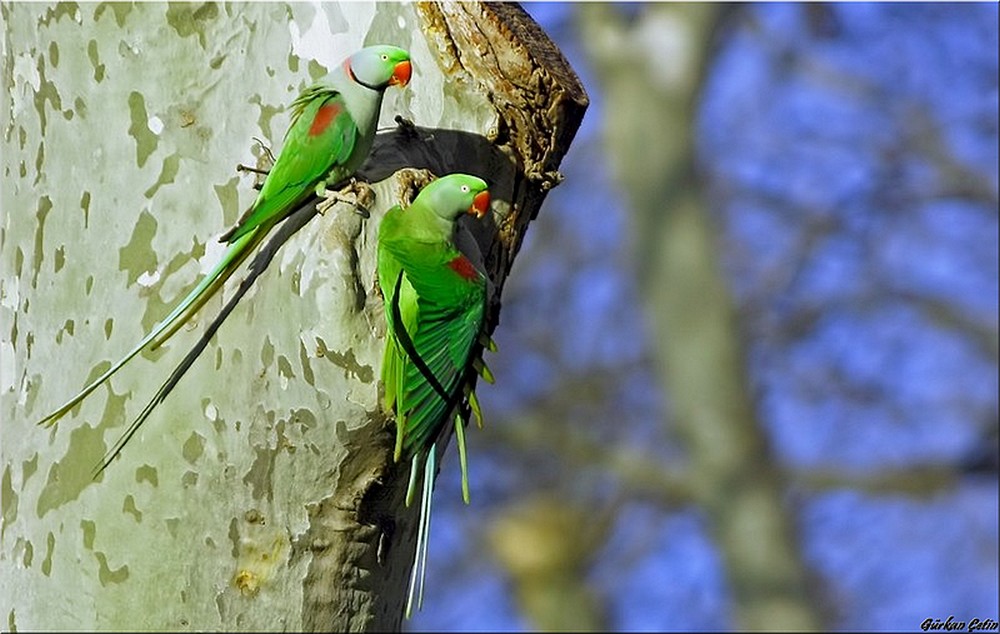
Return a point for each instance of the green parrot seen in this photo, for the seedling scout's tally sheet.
(435, 306)
(330, 136)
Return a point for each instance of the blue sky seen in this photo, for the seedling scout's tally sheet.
(851, 164)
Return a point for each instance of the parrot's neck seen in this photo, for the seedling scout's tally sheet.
(363, 104)
(427, 226)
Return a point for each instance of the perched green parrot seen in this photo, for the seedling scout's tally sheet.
(331, 134)
(435, 306)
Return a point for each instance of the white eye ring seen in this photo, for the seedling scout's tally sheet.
(385, 58)
(465, 189)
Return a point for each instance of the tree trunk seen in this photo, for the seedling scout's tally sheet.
(653, 94)
(262, 493)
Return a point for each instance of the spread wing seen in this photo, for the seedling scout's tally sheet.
(435, 315)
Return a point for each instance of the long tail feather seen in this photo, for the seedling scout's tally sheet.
(425, 527)
(176, 374)
(206, 289)
(418, 573)
(177, 317)
(463, 457)
(257, 267)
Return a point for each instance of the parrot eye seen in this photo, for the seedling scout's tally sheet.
(385, 58)
(465, 189)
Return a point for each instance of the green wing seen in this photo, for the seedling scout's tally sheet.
(320, 140)
(435, 317)
(435, 312)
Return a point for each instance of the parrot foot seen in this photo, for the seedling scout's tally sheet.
(356, 193)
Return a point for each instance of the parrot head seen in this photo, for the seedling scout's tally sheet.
(455, 194)
(377, 67)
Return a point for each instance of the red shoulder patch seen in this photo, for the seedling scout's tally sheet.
(463, 267)
(324, 117)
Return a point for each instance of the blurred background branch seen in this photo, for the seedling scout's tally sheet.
(653, 71)
(755, 328)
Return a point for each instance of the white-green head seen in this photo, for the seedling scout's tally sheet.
(456, 194)
(377, 67)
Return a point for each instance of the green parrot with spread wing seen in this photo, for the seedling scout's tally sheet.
(435, 307)
(330, 136)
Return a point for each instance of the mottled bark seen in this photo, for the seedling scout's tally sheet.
(262, 494)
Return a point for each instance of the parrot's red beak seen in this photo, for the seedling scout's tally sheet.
(401, 74)
(480, 204)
